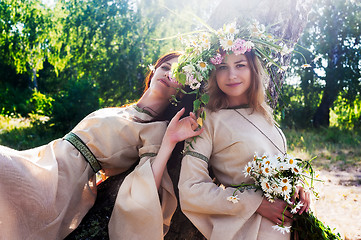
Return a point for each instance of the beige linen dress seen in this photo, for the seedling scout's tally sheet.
(227, 144)
(46, 191)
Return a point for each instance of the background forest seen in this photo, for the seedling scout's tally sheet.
(62, 59)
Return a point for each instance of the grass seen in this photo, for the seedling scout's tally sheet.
(332, 147)
(24, 133)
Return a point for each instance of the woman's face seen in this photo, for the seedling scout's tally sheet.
(234, 78)
(161, 83)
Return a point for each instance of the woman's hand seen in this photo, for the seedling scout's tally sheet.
(180, 130)
(275, 212)
(177, 130)
(303, 197)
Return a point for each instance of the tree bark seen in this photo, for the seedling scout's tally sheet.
(291, 17)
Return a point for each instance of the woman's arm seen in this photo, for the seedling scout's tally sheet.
(177, 130)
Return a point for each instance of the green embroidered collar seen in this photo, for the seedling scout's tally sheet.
(142, 110)
(240, 106)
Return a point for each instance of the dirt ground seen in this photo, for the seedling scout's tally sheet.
(339, 203)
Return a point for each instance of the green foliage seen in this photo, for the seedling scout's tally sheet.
(333, 33)
(346, 114)
(41, 103)
(296, 108)
(78, 99)
(25, 133)
(334, 148)
(308, 227)
(14, 100)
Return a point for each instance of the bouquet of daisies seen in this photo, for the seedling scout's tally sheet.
(278, 177)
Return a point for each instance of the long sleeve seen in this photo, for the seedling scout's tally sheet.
(141, 211)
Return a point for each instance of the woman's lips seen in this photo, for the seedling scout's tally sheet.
(164, 82)
(233, 84)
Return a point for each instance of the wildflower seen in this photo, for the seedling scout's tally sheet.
(195, 85)
(233, 199)
(217, 59)
(306, 65)
(282, 69)
(286, 50)
(151, 67)
(283, 229)
(265, 185)
(239, 46)
(248, 169)
(200, 123)
(227, 43)
(249, 45)
(296, 169)
(171, 77)
(285, 181)
(188, 68)
(231, 29)
(202, 65)
(296, 208)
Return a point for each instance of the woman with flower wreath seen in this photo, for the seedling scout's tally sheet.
(46, 191)
(237, 125)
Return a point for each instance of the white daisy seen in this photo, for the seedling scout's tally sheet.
(233, 199)
(231, 28)
(265, 185)
(227, 42)
(282, 229)
(296, 207)
(151, 67)
(202, 65)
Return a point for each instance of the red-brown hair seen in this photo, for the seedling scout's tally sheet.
(166, 57)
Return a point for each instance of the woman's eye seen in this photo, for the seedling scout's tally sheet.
(221, 67)
(240, 65)
(165, 68)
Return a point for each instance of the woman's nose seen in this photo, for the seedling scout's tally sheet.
(232, 74)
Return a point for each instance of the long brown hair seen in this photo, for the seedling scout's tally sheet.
(255, 93)
(166, 57)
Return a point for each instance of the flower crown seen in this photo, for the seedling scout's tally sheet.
(207, 48)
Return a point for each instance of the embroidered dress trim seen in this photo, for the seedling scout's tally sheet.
(197, 155)
(84, 150)
(242, 189)
(148, 155)
(141, 110)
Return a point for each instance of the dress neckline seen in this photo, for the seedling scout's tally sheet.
(242, 106)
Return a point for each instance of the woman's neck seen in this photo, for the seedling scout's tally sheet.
(153, 103)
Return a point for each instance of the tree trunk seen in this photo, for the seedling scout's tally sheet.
(331, 90)
(292, 17)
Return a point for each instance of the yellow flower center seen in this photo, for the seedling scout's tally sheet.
(284, 180)
(249, 169)
(284, 188)
(229, 42)
(291, 161)
(266, 170)
(202, 64)
(232, 30)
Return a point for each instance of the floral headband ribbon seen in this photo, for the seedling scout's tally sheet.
(207, 48)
